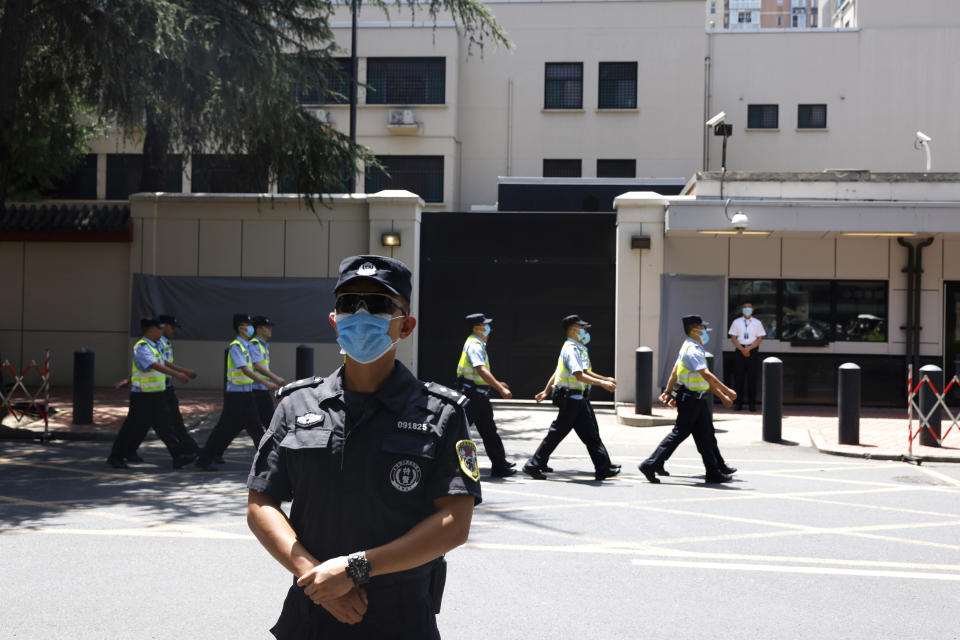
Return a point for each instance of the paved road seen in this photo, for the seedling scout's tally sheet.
(802, 545)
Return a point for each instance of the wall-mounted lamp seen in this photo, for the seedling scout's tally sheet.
(390, 239)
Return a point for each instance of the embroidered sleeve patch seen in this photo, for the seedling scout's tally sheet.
(467, 454)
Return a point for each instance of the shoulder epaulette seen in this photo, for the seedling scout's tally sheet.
(287, 389)
(445, 393)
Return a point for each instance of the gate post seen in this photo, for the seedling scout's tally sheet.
(927, 402)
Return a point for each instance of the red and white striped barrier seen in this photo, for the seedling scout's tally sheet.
(36, 404)
(923, 420)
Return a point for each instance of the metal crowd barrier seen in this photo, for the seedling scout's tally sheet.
(929, 420)
(38, 404)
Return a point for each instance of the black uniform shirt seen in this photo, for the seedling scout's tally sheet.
(361, 482)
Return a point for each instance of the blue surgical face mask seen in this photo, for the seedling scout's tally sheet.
(249, 331)
(486, 330)
(747, 311)
(363, 336)
(704, 336)
(583, 336)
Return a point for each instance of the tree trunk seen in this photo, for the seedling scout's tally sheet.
(156, 144)
(13, 41)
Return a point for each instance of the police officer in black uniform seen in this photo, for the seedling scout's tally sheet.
(381, 472)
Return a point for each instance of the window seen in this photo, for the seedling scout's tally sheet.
(334, 88)
(616, 168)
(82, 183)
(618, 85)
(815, 312)
(125, 169)
(713, 7)
(779, 21)
(812, 116)
(422, 175)
(562, 169)
(563, 85)
(406, 80)
(226, 174)
(763, 116)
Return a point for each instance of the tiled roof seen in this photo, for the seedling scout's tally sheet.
(66, 222)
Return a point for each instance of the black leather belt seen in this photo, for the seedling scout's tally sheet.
(470, 388)
(683, 393)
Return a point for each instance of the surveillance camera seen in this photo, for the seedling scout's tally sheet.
(717, 119)
(922, 137)
(739, 221)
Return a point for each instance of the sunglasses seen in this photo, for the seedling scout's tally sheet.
(373, 302)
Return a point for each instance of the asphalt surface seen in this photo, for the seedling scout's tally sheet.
(801, 545)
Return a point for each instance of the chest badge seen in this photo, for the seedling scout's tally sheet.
(405, 475)
(467, 454)
(309, 420)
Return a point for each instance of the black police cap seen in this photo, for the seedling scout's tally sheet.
(689, 321)
(477, 318)
(575, 319)
(150, 322)
(166, 318)
(262, 321)
(239, 318)
(391, 273)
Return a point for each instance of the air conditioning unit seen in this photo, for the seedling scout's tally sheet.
(322, 115)
(400, 117)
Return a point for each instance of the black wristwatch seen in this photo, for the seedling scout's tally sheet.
(358, 568)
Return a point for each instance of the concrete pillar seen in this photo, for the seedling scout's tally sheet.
(639, 214)
(400, 212)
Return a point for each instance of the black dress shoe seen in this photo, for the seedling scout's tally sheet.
(660, 471)
(219, 460)
(546, 469)
(511, 464)
(609, 472)
(133, 458)
(534, 471)
(727, 470)
(615, 466)
(183, 460)
(117, 463)
(205, 465)
(716, 476)
(504, 472)
(649, 472)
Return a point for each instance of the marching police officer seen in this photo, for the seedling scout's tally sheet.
(475, 381)
(260, 355)
(689, 383)
(239, 407)
(148, 404)
(381, 472)
(571, 384)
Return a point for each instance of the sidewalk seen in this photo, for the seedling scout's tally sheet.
(109, 410)
(883, 432)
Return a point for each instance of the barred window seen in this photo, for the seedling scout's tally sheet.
(763, 116)
(422, 175)
(563, 85)
(562, 168)
(618, 85)
(812, 116)
(406, 80)
(617, 168)
(125, 169)
(332, 88)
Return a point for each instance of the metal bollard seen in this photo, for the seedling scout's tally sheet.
(927, 402)
(771, 399)
(83, 386)
(304, 361)
(848, 403)
(644, 385)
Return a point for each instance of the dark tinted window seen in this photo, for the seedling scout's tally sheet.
(333, 88)
(406, 80)
(763, 116)
(562, 169)
(618, 85)
(125, 169)
(225, 174)
(812, 116)
(82, 183)
(563, 85)
(422, 175)
(617, 168)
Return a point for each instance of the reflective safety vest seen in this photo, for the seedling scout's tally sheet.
(234, 374)
(465, 370)
(690, 379)
(151, 380)
(563, 377)
(263, 349)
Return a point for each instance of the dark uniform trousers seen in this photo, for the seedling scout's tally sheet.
(264, 406)
(745, 376)
(146, 410)
(480, 414)
(187, 443)
(576, 414)
(693, 417)
(239, 413)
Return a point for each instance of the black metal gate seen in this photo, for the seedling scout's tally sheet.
(526, 271)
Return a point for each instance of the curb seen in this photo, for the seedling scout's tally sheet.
(834, 450)
(627, 417)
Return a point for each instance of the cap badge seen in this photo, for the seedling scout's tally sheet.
(367, 269)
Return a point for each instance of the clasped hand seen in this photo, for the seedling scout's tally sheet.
(329, 586)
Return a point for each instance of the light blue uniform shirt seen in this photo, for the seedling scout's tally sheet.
(694, 357)
(166, 350)
(143, 357)
(575, 358)
(477, 353)
(236, 353)
(257, 355)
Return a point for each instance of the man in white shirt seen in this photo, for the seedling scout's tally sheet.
(746, 333)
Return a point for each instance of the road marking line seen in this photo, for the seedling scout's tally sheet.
(940, 476)
(159, 532)
(819, 571)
